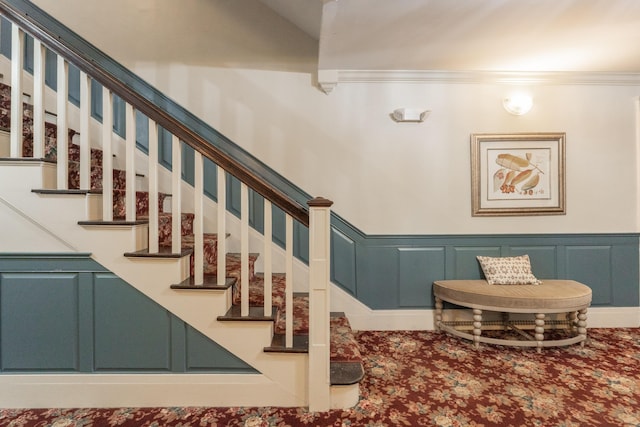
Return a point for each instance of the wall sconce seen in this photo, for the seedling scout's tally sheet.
(409, 115)
(518, 104)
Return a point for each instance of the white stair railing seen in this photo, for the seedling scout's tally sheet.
(17, 46)
(107, 155)
(267, 254)
(198, 219)
(221, 219)
(130, 159)
(176, 195)
(244, 250)
(288, 300)
(153, 188)
(318, 222)
(38, 99)
(85, 145)
(62, 136)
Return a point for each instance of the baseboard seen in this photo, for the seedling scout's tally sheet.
(140, 390)
(362, 318)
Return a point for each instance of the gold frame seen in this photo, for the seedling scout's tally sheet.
(518, 174)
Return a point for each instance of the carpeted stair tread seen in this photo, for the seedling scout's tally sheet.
(165, 224)
(142, 204)
(346, 361)
(256, 290)
(300, 316)
(344, 346)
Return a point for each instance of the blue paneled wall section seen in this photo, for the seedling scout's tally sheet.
(66, 313)
(397, 272)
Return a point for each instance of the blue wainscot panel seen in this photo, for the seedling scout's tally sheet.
(544, 259)
(418, 268)
(591, 265)
(131, 332)
(465, 262)
(204, 355)
(343, 261)
(39, 319)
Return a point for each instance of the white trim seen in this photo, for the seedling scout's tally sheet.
(344, 396)
(138, 390)
(363, 318)
(330, 78)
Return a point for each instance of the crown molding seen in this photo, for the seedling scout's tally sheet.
(331, 78)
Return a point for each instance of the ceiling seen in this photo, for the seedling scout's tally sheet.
(481, 36)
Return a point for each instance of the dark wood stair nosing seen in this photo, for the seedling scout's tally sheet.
(255, 314)
(164, 252)
(55, 191)
(300, 344)
(27, 159)
(345, 373)
(210, 283)
(114, 223)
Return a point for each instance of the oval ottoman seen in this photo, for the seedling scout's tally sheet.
(551, 296)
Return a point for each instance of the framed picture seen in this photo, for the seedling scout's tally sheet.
(518, 174)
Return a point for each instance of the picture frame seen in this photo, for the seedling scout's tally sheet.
(518, 174)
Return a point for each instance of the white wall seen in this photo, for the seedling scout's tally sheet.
(256, 87)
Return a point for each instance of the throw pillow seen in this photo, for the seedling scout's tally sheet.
(508, 270)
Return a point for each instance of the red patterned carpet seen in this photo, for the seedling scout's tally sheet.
(420, 378)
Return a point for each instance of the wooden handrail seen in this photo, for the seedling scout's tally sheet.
(94, 67)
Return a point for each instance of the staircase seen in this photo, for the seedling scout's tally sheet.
(143, 235)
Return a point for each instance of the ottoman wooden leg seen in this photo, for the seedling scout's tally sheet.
(505, 321)
(572, 317)
(539, 330)
(477, 326)
(582, 325)
(438, 314)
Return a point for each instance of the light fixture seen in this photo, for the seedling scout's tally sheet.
(409, 115)
(518, 104)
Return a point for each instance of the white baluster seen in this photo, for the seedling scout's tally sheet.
(176, 182)
(289, 281)
(319, 304)
(62, 138)
(17, 49)
(244, 249)
(130, 169)
(38, 98)
(107, 155)
(268, 258)
(222, 227)
(153, 187)
(85, 147)
(198, 223)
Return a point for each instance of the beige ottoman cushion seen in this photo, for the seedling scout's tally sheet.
(551, 296)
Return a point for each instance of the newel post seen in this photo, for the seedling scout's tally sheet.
(319, 308)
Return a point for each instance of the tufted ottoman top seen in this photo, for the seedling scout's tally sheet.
(552, 296)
